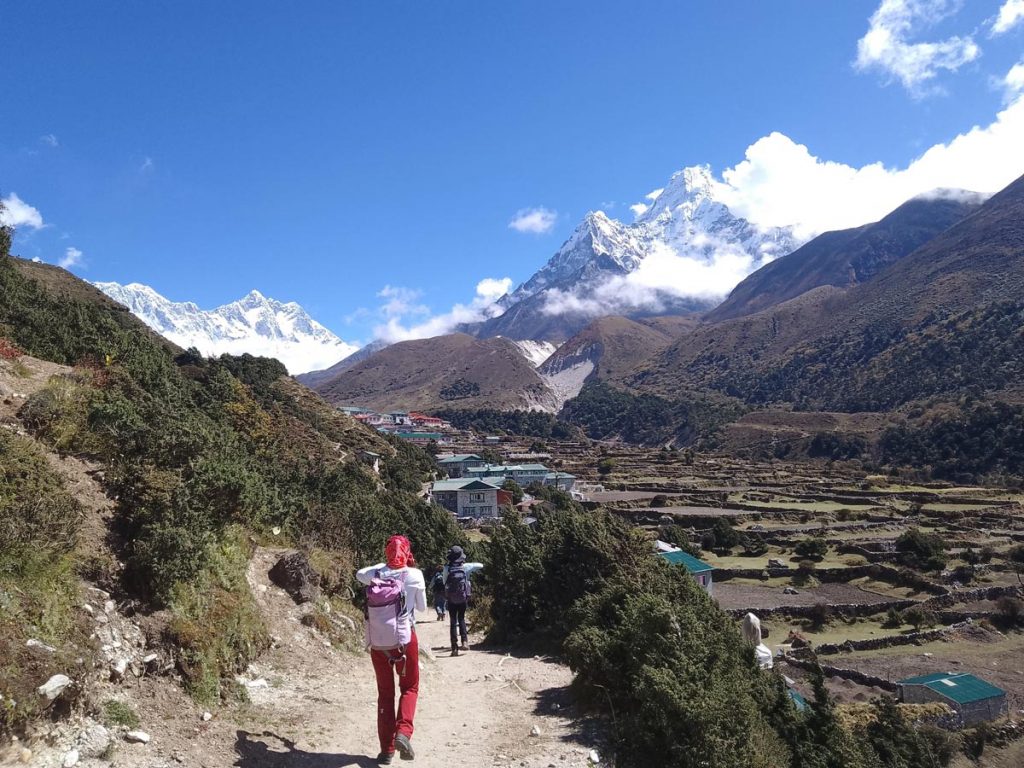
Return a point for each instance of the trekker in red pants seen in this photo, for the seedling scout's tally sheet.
(395, 591)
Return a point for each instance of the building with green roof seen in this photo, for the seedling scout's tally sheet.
(974, 700)
(697, 568)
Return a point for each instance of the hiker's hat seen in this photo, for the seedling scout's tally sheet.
(455, 554)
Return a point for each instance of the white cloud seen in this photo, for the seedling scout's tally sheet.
(15, 212)
(401, 301)
(639, 209)
(49, 140)
(1013, 83)
(664, 277)
(147, 165)
(1010, 15)
(536, 221)
(654, 194)
(781, 183)
(72, 258)
(405, 326)
(885, 46)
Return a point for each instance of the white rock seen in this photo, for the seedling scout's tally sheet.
(25, 755)
(207, 717)
(37, 645)
(535, 731)
(94, 741)
(257, 683)
(593, 757)
(109, 606)
(137, 737)
(54, 687)
(88, 608)
(70, 759)
(118, 669)
(150, 658)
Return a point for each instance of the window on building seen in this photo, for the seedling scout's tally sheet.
(476, 497)
(469, 511)
(486, 510)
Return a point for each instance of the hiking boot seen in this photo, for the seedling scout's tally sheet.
(455, 651)
(465, 645)
(404, 747)
(385, 758)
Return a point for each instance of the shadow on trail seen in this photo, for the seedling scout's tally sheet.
(588, 728)
(268, 750)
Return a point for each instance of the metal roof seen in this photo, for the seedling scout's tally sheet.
(961, 688)
(463, 484)
(691, 563)
(458, 458)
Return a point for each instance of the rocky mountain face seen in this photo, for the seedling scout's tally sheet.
(453, 371)
(608, 349)
(848, 257)
(255, 324)
(579, 282)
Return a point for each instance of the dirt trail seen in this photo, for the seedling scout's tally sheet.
(477, 709)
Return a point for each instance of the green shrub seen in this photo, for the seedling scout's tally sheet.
(120, 713)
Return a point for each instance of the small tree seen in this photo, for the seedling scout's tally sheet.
(918, 617)
(819, 615)
(811, 549)
(605, 466)
(1009, 612)
(893, 619)
(1016, 558)
(926, 551)
(514, 488)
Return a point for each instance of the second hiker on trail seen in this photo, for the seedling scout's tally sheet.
(457, 591)
(394, 592)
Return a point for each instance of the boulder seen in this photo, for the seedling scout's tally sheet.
(776, 563)
(294, 574)
(137, 737)
(54, 687)
(94, 741)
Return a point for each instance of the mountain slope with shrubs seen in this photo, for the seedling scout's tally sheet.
(203, 456)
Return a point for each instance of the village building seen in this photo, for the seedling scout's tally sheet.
(401, 418)
(696, 567)
(371, 459)
(524, 474)
(421, 438)
(563, 481)
(457, 465)
(470, 498)
(971, 698)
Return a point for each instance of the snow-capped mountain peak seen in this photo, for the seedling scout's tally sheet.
(700, 247)
(254, 324)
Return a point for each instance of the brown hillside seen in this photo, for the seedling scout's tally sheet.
(848, 257)
(616, 345)
(943, 318)
(456, 370)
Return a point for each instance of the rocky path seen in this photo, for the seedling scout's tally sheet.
(313, 705)
(477, 709)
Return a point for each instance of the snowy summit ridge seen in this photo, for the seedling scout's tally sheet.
(254, 324)
(685, 250)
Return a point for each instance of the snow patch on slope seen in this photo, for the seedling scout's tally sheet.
(569, 381)
(535, 351)
(254, 325)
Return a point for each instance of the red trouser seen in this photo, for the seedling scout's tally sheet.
(387, 664)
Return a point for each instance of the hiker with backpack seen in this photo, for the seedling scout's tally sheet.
(457, 591)
(395, 590)
(437, 587)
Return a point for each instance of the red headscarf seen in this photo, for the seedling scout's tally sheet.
(398, 552)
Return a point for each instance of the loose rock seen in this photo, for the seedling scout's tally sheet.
(70, 759)
(137, 737)
(294, 574)
(54, 687)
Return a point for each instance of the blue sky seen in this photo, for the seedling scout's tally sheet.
(321, 152)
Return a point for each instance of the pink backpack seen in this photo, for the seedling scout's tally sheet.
(388, 624)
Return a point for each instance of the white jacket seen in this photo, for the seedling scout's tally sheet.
(415, 586)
